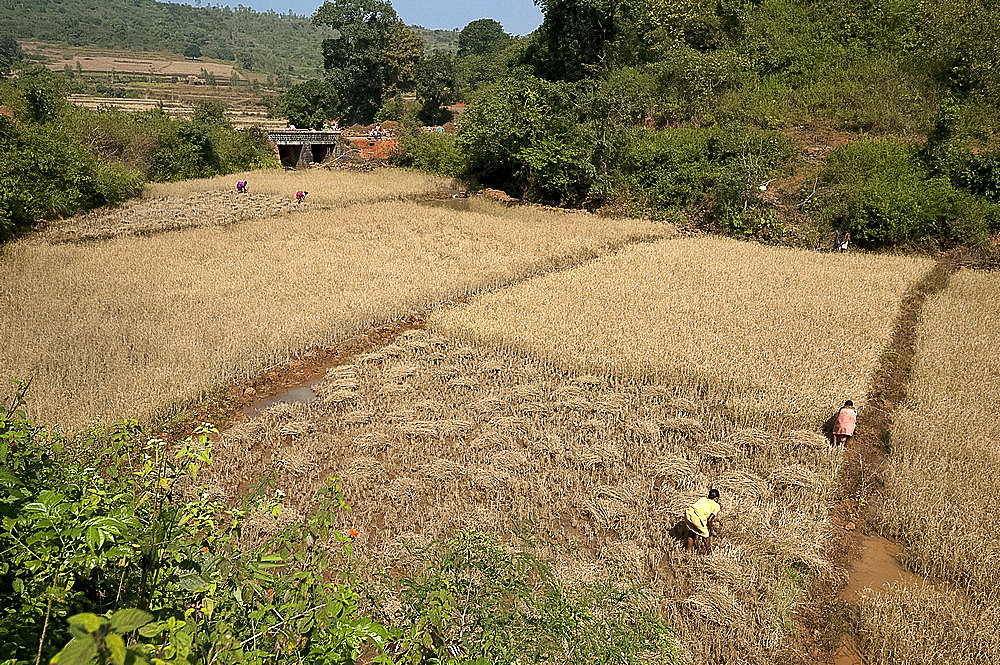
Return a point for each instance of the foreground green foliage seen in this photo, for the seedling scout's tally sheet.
(114, 551)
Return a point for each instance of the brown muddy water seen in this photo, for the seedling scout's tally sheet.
(878, 564)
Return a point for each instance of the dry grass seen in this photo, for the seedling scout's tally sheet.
(942, 494)
(214, 201)
(431, 435)
(325, 187)
(774, 330)
(137, 325)
(917, 625)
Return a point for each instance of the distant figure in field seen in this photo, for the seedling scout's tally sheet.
(701, 519)
(299, 196)
(241, 186)
(841, 239)
(846, 421)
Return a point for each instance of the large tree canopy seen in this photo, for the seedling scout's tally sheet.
(579, 38)
(437, 86)
(481, 37)
(370, 53)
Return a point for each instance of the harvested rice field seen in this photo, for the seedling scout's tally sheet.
(553, 377)
(431, 436)
(136, 326)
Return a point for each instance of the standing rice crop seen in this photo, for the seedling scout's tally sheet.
(779, 331)
(942, 488)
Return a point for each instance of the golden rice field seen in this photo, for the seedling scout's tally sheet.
(430, 435)
(554, 402)
(215, 202)
(783, 336)
(138, 326)
(324, 186)
(942, 494)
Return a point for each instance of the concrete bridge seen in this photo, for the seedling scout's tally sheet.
(301, 146)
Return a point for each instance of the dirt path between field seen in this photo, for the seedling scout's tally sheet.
(869, 560)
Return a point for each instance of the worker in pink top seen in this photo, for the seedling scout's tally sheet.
(847, 419)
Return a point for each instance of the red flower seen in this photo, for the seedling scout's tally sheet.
(353, 533)
(270, 592)
(204, 549)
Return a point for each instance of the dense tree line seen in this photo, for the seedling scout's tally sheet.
(686, 107)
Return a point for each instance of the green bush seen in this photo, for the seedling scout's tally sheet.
(113, 549)
(880, 192)
(44, 173)
(432, 152)
(707, 170)
(117, 183)
(523, 136)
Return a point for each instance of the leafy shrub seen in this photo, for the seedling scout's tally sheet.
(116, 524)
(881, 193)
(431, 151)
(44, 173)
(117, 183)
(522, 136)
(981, 175)
(712, 169)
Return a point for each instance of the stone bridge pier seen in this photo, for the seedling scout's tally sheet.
(303, 146)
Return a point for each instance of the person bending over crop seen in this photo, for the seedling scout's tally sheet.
(299, 196)
(241, 186)
(847, 420)
(702, 518)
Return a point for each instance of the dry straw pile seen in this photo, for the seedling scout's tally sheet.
(777, 330)
(943, 488)
(430, 435)
(137, 325)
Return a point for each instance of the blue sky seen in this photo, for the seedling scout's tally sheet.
(518, 17)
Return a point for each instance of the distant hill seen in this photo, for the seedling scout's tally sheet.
(260, 41)
(437, 40)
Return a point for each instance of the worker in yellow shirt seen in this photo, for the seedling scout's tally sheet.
(702, 518)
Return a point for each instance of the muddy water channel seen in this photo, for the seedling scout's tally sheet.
(877, 565)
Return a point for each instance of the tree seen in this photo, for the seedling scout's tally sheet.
(10, 53)
(579, 38)
(521, 135)
(402, 55)
(43, 91)
(309, 104)
(436, 87)
(192, 51)
(482, 37)
(368, 54)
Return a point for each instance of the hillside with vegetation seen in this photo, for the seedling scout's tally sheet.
(266, 42)
(778, 119)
